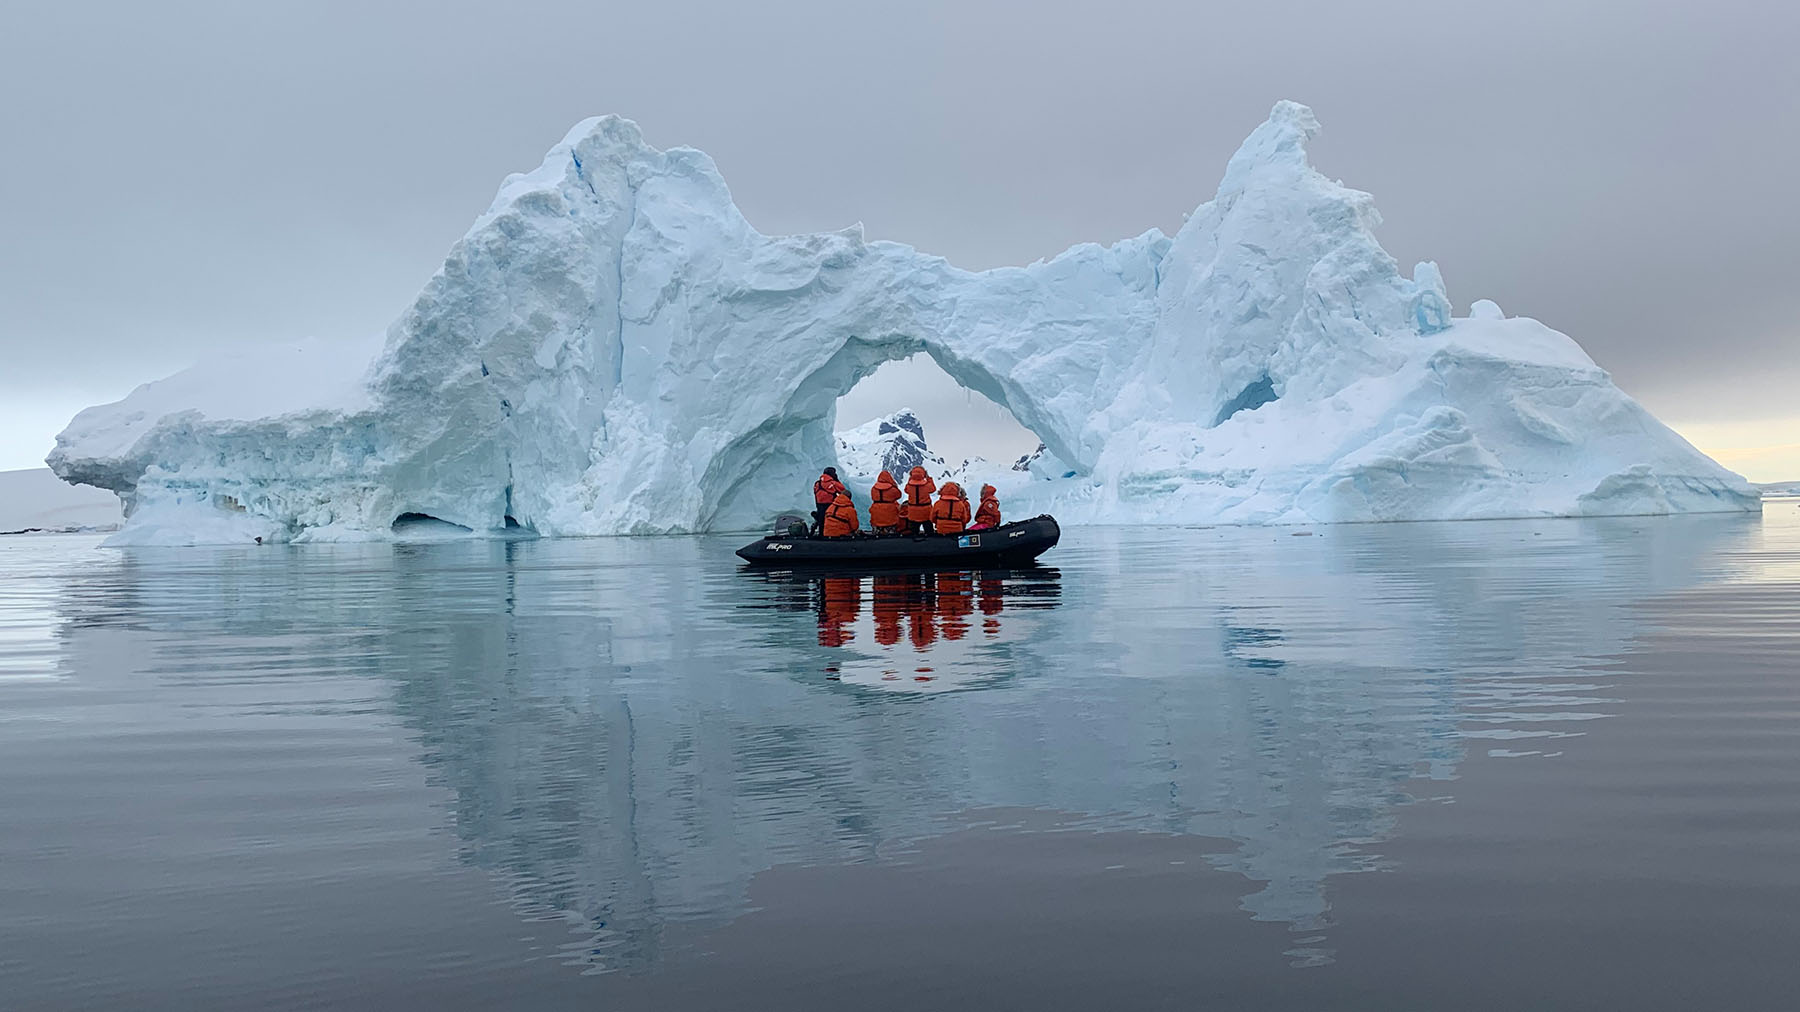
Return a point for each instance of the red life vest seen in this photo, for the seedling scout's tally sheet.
(884, 502)
(919, 487)
(951, 514)
(988, 512)
(840, 518)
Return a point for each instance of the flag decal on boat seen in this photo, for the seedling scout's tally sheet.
(969, 541)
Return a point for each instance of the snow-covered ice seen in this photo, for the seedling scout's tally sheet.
(613, 349)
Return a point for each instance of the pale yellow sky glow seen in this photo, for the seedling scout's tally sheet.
(1763, 450)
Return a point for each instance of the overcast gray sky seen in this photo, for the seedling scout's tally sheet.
(185, 176)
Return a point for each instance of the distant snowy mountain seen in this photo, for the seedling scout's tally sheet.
(895, 444)
(1779, 487)
(1027, 459)
(35, 499)
(1041, 463)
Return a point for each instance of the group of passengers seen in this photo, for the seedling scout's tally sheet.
(897, 510)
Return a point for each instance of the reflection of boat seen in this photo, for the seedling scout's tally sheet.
(928, 604)
(923, 628)
(1008, 544)
(929, 630)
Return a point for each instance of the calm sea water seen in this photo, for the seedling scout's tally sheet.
(1480, 765)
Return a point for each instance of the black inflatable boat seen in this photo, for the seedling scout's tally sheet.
(1007, 545)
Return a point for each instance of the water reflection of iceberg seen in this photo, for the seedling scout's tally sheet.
(631, 732)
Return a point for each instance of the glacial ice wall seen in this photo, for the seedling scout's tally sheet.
(613, 349)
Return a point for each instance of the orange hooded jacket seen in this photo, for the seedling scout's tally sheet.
(840, 517)
(951, 514)
(988, 513)
(884, 503)
(826, 487)
(919, 487)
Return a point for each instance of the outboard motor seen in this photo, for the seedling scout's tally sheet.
(790, 525)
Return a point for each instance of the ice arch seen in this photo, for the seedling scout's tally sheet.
(786, 450)
(614, 349)
(775, 461)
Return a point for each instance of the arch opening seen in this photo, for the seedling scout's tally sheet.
(426, 525)
(769, 468)
(1259, 392)
(910, 407)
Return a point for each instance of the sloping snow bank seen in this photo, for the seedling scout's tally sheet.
(1488, 418)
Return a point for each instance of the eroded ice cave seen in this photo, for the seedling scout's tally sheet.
(613, 349)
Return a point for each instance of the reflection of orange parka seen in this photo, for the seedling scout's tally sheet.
(951, 514)
(840, 599)
(919, 487)
(884, 503)
(992, 604)
(955, 600)
(988, 513)
(921, 625)
(891, 594)
(840, 519)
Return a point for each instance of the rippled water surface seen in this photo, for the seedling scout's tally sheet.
(1482, 765)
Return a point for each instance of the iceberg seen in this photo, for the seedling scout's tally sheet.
(613, 349)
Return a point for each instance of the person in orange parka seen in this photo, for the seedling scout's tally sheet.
(987, 515)
(951, 514)
(824, 491)
(840, 516)
(884, 505)
(919, 487)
